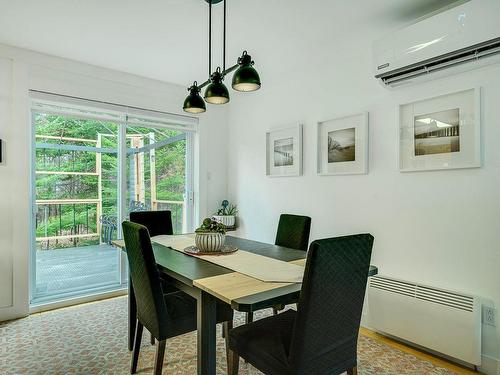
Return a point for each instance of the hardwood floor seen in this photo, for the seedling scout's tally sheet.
(417, 353)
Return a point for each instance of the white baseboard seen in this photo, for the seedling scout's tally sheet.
(489, 365)
(77, 300)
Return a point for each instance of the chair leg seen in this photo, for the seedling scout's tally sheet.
(233, 363)
(137, 347)
(152, 340)
(160, 353)
(132, 315)
(249, 317)
(353, 371)
(226, 327)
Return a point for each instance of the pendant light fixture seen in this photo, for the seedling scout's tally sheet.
(216, 92)
(245, 78)
(194, 103)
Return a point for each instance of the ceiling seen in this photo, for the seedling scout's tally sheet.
(167, 39)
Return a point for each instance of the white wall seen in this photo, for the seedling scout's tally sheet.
(440, 228)
(22, 70)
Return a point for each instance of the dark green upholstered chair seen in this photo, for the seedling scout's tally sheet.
(165, 315)
(157, 222)
(321, 337)
(293, 232)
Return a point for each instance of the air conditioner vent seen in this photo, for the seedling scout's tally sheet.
(463, 56)
(426, 293)
(466, 55)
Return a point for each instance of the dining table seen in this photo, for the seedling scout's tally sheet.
(208, 282)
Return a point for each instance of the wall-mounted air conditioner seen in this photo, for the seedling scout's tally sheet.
(461, 38)
(441, 320)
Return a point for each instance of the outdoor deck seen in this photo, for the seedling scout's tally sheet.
(74, 270)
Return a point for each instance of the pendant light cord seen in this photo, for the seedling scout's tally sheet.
(224, 45)
(209, 38)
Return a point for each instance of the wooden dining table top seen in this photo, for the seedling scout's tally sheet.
(242, 292)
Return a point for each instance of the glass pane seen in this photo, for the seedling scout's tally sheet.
(76, 206)
(156, 173)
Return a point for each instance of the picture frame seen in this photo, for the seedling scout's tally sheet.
(284, 151)
(441, 132)
(343, 145)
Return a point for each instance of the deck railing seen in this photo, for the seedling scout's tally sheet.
(55, 233)
(70, 237)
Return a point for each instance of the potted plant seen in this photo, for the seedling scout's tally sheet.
(226, 214)
(210, 236)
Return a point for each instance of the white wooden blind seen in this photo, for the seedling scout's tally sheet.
(85, 108)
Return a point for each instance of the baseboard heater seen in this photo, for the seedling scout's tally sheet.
(443, 321)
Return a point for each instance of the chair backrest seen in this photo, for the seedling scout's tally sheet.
(157, 222)
(293, 231)
(151, 307)
(326, 328)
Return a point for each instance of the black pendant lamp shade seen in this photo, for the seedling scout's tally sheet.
(194, 102)
(246, 77)
(216, 92)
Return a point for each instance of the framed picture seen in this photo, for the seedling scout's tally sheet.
(443, 132)
(343, 145)
(284, 151)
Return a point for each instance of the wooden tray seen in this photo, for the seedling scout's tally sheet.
(225, 250)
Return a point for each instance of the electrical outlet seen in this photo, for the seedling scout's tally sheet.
(489, 316)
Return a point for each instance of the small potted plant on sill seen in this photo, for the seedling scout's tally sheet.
(226, 214)
(210, 236)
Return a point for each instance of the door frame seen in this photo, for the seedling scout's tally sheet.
(189, 201)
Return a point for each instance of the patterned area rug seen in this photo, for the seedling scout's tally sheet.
(92, 339)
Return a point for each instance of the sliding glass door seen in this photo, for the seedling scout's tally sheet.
(76, 203)
(156, 172)
(91, 168)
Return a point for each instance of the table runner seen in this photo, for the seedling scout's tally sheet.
(250, 264)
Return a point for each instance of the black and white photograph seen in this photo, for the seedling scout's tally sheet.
(441, 132)
(342, 145)
(437, 133)
(283, 152)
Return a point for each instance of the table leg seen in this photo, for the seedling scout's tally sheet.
(132, 314)
(206, 314)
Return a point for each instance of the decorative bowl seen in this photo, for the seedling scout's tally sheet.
(209, 242)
